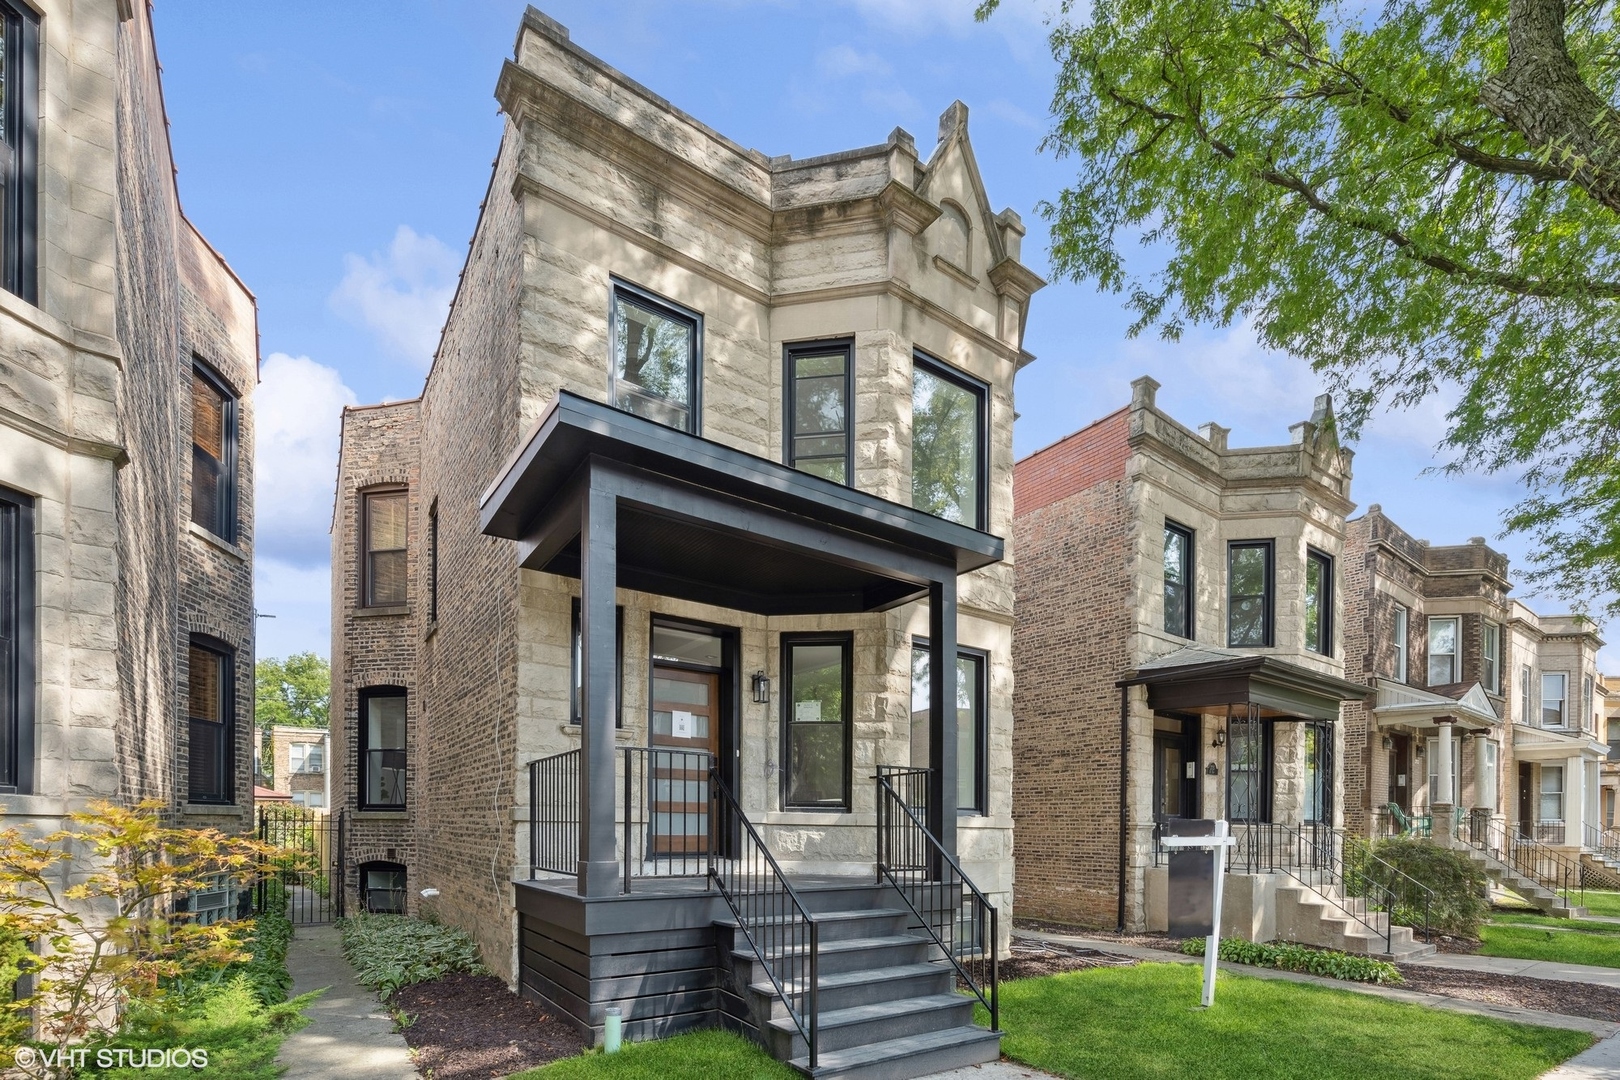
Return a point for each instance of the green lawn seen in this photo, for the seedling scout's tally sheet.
(1602, 903)
(1142, 1023)
(1531, 942)
(1583, 925)
(702, 1055)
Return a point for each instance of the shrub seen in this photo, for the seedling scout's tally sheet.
(1288, 957)
(391, 951)
(1459, 904)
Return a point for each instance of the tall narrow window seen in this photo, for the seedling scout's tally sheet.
(972, 731)
(17, 642)
(385, 532)
(816, 670)
(1318, 603)
(1248, 770)
(1490, 656)
(820, 389)
(213, 454)
(1319, 774)
(433, 560)
(1588, 720)
(1442, 652)
(1527, 701)
(1552, 793)
(19, 159)
(382, 748)
(656, 357)
(210, 709)
(1178, 580)
(1554, 699)
(947, 443)
(1402, 628)
(577, 654)
(1248, 594)
(1487, 781)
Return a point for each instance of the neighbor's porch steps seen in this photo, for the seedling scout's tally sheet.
(1319, 914)
(888, 1000)
(1602, 866)
(1533, 892)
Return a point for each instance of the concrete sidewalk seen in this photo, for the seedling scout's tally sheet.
(350, 1036)
(1602, 1062)
(1530, 969)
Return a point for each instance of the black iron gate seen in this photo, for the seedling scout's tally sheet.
(306, 878)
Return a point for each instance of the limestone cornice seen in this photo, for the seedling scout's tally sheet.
(889, 287)
(904, 209)
(73, 444)
(1012, 278)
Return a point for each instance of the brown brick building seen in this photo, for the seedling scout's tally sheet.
(128, 359)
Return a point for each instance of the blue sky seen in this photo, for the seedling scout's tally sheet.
(336, 154)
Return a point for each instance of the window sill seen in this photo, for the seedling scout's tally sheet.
(952, 270)
(382, 815)
(381, 612)
(213, 539)
(210, 809)
(432, 628)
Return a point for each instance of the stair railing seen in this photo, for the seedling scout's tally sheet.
(554, 814)
(962, 921)
(769, 911)
(1525, 855)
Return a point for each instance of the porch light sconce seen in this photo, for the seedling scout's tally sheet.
(762, 688)
(1389, 743)
(1418, 750)
(1212, 770)
(1220, 737)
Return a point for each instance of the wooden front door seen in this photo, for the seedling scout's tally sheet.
(686, 723)
(1400, 780)
(1527, 800)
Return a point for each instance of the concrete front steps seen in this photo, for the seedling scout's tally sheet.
(1320, 915)
(1533, 892)
(1602, 870)
(888, 1000)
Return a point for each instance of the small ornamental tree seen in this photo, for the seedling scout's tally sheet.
(87, 912)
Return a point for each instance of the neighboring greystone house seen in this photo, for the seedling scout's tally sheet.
(1486, 727)
(1609, 691)
(1178, 654)
(128, 358)
(713, 468)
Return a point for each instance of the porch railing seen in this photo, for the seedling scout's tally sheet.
(963, 922)
(661, 820)
(1604, 841)
(769, 912)
(1527, 856)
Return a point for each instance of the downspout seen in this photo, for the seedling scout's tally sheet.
(1124, 788)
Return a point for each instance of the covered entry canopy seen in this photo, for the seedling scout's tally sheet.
(1200, 678)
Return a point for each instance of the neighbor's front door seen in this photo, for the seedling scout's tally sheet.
(685, 717)
(1527, 800)
(1400, 760)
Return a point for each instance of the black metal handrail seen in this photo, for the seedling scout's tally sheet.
(665, 815)
(769, 911)
(1604, 841)
(1527, 856)
(963, 922)
(554, 814)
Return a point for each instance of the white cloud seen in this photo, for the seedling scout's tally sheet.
(866, 74)
(297, 603)
(842, 61)
(401, 295)
(297, 412)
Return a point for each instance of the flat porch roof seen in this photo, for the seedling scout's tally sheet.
(1200, 677)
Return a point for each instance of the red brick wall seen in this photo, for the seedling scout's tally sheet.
(1090, 456)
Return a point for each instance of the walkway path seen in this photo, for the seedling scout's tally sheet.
(1530, 969)
(350, 1037)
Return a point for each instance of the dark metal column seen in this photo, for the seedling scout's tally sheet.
(942, 792)
(598, 577)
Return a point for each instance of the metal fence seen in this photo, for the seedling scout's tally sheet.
(307, 874)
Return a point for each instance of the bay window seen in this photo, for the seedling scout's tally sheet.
(820, 382)
(1318, 603)
(1554, 699)
(948, 443)
(1442, 651)
(1402, 651)
(1249, 601)
(972, 729)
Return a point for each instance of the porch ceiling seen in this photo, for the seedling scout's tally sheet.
(704, 522)
(1199, 678)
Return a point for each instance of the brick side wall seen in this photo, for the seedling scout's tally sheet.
(1093, 454)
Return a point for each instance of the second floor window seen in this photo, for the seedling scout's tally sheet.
(307, 757)
(1527, 701)
(384, 543)
(1178, 580)
(1402, 651)
(213, 455)
(947, 443)
(19, 155)
(382, 748)
(1318, 603)
(1248, 594)
(656, 356)
(1588, 718)
(1490, 656)
(820, 389)
(1554, 699)
(1442, 652)
(210, 710)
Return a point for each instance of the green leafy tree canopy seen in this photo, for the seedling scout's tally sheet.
(1411, 195)
(297, 690)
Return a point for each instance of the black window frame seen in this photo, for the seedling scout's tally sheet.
(19, 156)
(366, 575)
(1489, 662)
(981, 721)
(790, 386)
(383, 866)
(669, 309)
(433, 559)
(981, 390)
(846, 641)
(1268, 601)
(1324, 767)
(19, 628)
(225, 766)
(363, 753)
(224, 523)
(1189, 564)
(1265, 772)
(1402, 671)
(1325, 621)
(576, 650)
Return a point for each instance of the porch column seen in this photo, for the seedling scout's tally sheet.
(942, 712)
(1575, 802)
(1443, 799)
(598, 578)
(1483, 784)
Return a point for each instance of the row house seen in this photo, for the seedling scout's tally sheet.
(128, 359)
(673, 623)
(1609, 778)
(1178, 654)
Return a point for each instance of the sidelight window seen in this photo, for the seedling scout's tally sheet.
(972, 731)
(816, 721)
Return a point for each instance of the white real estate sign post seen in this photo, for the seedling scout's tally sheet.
(1215, 844)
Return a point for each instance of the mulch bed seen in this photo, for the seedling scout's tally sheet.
(1141, 941)
(466, 1026)
(1543, 995)
(1031, 958)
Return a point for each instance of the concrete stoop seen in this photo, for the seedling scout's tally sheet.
(1322, 917)
(1533, 892)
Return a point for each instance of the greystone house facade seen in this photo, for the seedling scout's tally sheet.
(1206, 679)
(128, 359)
(673, 624)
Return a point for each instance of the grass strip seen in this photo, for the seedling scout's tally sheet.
(701, 1055)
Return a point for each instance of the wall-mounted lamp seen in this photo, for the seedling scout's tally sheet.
(1212, 770)
(762, 688)
(1220, 737)
(1418, 750)
(1389, 743)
